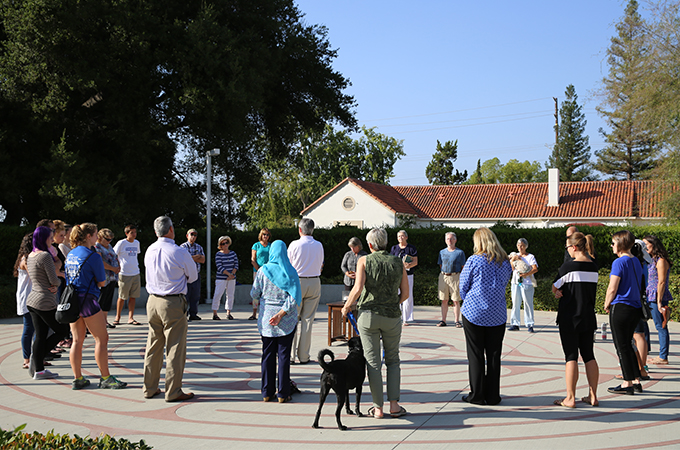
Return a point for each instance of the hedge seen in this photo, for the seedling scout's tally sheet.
(547, 245)
(18, 439)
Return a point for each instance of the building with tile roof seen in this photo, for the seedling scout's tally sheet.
(543, 205)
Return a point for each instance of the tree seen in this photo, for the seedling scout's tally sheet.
(320, 161)
(631, 148)
(440, 170)
(492, 171)
(118, 85)
(571, 154)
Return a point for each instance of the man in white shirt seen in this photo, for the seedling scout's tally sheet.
(169, 269)
(129, 281)
(306, 256)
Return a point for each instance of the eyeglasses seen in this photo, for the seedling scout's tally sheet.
(223, 243)
(108, 239)
(193, 234)
(265, 234)
(567, 246)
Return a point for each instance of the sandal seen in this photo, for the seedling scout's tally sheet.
(371, 412)
(402, 412)
(459, 325)
(115, 322)
(252, 317)
(586, 399)
(560, 402)
(134, 322)
(441, 323)
(25, 366)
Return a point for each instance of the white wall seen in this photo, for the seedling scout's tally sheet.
(366, 209)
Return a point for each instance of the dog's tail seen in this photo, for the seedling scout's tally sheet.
(324, 365)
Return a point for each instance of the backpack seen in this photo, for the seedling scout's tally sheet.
(68, 309)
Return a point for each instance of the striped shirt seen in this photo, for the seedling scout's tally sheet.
(228, 262)
(578, 282)
(43, 274)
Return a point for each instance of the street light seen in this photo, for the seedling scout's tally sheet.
(208, 201)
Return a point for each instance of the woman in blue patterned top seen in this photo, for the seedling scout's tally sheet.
(482, 288)
(277, 290)
(226, 264)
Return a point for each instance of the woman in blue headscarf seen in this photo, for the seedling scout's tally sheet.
(277, 290)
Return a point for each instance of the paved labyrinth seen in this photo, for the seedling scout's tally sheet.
(223, 370)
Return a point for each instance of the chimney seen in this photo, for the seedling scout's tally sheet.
(553, 187)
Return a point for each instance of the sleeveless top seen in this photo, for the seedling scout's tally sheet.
(653, 284)
(381, 290)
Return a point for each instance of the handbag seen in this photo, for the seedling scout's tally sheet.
(646, 310)
(68, 309)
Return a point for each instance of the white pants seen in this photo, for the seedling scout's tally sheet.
(407, 306)
(522, 293)
(220, 287)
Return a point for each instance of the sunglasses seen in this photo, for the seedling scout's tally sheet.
(108, 239)
(223, 243)
(193, 234)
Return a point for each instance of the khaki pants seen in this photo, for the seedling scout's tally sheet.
(311, 294)
(167, 328)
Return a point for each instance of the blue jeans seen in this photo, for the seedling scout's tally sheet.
(194, 296)
(664, 338)
(27, 335)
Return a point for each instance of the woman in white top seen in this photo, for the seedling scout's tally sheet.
(522, 287)
(24, 286)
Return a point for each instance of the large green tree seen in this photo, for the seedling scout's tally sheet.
(113, 87)
(492, 171)
(440, 170)
(320, 161)
(631, 148)
(571, 154)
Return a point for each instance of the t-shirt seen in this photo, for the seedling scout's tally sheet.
(578, 282)
(630, 272)
(91, 273)
(402, 253)
(451, 262)
(223, 262)
(530, 261)
(127, 256)
(261, 254)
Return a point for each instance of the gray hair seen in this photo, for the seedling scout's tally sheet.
(306, 226)
(377, 238)
(452, 234)
(355, 242)
(403, 231)
(162, 225)
(523, 241)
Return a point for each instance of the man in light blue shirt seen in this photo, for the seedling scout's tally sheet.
(451, 261)
(169, 268)
(194, 289)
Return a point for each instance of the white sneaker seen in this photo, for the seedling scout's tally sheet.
(45, 375)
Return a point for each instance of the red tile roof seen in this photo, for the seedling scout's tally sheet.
(586, 199)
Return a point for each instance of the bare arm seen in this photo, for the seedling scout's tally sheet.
(611, 291)
(662, 269)
(533, 270)
(253, 259)
(358, 286)
(403, 287)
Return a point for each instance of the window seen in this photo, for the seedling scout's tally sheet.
(348, 203)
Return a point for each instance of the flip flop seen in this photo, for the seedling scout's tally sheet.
(559, 402)
(402, 412)
(441, 323)
(134, 322)
(115, 322)
(371, 412)
(586, 399)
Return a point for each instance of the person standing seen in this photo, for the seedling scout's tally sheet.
(277, 291)
(169, 269)
(194, 289)
(381, 285)
(129, 281)
(259, 256)
(522, 288)
(23, 289)
(624, 306)
(659, 270)
(451, 261)
(226, 265)
(112, 268)
(306, 256)
(482, 287)
(576, 287)
(349, 262)
(409, 255)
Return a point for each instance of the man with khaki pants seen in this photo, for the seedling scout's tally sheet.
(169, 268)
(129, 281)
(450, 261)
(306, 255)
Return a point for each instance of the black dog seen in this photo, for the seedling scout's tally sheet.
(341, 376)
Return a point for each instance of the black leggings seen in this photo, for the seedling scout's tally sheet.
(43, 321)
(575, 342)
(623, 319)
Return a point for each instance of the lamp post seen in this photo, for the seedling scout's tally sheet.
(208, 201)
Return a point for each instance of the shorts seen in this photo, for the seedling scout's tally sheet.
(575, 342)
(642, 326)
(129, 286)
(89, 306)
(449, 287)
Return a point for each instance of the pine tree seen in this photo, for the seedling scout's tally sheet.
(571, 153)
(630, 149)
(440, 170)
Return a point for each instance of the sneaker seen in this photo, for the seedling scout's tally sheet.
(111, 383)
(45, 375)
(531, 330)
(80, 383)
(513, 328)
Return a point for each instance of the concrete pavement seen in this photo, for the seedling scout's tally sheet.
(223, 370)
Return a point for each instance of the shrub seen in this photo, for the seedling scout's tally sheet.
(17, 439)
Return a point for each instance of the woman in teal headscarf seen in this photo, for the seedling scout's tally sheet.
(277, 290)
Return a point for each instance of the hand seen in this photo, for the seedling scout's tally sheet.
(558, 294)
(116, 270)
(274, 321)
(660, 308)
(53, 289)
(346, 310)
(351, 275)
(606, 306)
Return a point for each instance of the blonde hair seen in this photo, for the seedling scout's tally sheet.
(263, 231)
(223, 239)
(79, 233)
(485, 241)
(59, 225)
(105, 233)
(583, 243)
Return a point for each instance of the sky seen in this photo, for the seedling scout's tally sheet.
(483, 73)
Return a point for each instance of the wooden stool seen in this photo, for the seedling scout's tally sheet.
(339, 328)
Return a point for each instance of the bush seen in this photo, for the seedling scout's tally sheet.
(17, 439)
